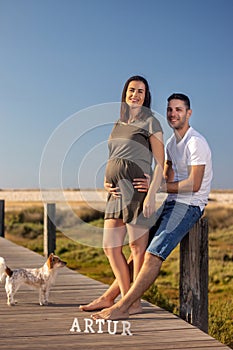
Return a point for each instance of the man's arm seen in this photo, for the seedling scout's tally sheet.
(191, 184)
(168, 172)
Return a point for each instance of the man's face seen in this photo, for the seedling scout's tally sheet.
(178, 114)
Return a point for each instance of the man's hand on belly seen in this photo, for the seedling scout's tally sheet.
(142, 184)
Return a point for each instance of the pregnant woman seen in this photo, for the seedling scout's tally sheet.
(136, 139)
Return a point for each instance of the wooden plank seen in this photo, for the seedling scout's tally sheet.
(2, 217)
(30, 326)
(194, 276)
(49, 228)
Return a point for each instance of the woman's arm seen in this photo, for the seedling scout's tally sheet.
(115, 191)
(157, 147)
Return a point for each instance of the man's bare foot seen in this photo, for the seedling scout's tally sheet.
(112, 313)
(97, 304)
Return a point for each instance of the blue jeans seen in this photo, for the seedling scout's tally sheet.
(174, 221)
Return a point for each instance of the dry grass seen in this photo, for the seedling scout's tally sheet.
(93, 263)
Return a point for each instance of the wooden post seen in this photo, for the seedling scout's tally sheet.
(49, 229)
(2, 218)
(194, 276)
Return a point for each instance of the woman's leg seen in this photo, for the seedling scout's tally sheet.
(114, 235)
(107, 298)
(138, 240)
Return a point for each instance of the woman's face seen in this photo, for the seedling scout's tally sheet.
(135, 94)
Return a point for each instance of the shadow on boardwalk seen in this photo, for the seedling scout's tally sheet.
(30, 326)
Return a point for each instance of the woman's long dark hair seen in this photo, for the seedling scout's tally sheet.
(145, 112)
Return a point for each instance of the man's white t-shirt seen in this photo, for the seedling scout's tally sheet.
(192, 149)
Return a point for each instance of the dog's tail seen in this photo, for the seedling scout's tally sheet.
(4, 270)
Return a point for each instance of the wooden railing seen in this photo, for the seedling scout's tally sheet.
(194, 276)
(49, 228)
(193, 290)
(2, 218)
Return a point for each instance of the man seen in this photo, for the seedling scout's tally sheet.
(188, 175)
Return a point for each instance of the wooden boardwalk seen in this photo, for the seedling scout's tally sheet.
(30, 326)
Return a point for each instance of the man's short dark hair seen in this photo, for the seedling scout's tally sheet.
(182, 97)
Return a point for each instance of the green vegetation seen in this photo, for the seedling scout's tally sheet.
(25, 227)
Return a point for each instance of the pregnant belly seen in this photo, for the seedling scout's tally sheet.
(119, 169)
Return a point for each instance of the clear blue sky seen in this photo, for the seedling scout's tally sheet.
(58, 57)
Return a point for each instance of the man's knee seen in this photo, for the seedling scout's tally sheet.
(152, 259)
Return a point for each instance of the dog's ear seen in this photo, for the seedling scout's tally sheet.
(50, 261)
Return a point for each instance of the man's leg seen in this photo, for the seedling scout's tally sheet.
(175, 221)
(148, 273)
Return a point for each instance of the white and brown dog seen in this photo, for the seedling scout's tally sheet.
(41, 278)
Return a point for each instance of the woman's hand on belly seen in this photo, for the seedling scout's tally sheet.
(114, 191)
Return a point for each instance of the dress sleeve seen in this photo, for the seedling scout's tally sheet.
(153, 126)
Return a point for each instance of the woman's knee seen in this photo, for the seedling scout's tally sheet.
(137, 249)
(112, 252)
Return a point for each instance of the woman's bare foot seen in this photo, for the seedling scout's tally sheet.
(97, 304)
(136, 308)
(112, 313)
